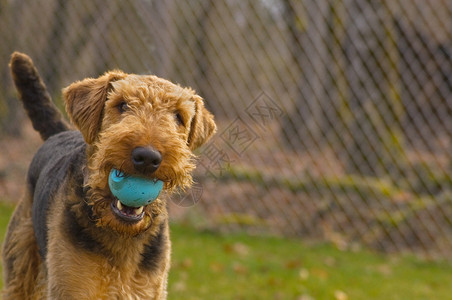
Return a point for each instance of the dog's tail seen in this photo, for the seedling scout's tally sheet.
(44, 115)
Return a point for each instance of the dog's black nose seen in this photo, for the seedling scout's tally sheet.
(146, 159)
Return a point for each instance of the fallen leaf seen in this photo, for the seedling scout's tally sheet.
(239, 268)
(305, 297)
(304, 274)
(293, 264)
(320, 273)
(186, 263)
(216, 267)
(340, 295)
(180, 286)
(237, 248)
(330, 261)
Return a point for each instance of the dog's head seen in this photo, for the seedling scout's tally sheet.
(143, 126)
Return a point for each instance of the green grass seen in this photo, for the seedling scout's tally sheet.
(237, 266)
(244, 267)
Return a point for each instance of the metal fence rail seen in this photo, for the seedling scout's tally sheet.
(334, 116)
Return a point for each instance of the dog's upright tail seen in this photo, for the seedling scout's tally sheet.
(44, 115)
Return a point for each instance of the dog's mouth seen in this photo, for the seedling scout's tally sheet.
(127, 213)
(132, 194)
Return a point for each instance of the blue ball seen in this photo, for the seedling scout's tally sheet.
(133, 191)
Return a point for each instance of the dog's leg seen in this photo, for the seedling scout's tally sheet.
(21, 261)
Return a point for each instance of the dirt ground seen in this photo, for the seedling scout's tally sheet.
(16, 155)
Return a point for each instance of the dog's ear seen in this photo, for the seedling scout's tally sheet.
(202, 126)
(85, 102)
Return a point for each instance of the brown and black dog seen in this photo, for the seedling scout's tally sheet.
(69, 237)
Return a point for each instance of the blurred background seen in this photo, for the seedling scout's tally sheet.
(334, 117)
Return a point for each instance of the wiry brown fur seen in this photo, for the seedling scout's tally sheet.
(89, 252)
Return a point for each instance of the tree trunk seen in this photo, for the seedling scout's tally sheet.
(374, 102)
(11, 114)
(201, 59)
(310, 36)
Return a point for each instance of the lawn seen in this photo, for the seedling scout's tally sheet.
(243, 267)
(208, 265)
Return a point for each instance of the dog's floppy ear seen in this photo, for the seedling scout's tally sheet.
(202, 126)
(85, 102)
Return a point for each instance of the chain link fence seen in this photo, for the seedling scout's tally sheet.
(334, 116)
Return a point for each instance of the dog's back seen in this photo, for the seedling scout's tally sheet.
(60, 156)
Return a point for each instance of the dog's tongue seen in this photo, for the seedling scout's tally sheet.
(133, 191)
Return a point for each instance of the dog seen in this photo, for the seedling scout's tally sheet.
(69, 236)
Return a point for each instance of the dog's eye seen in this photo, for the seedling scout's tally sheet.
(122, 107)
(179, 119)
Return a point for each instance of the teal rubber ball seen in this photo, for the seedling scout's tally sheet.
(133, 191)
